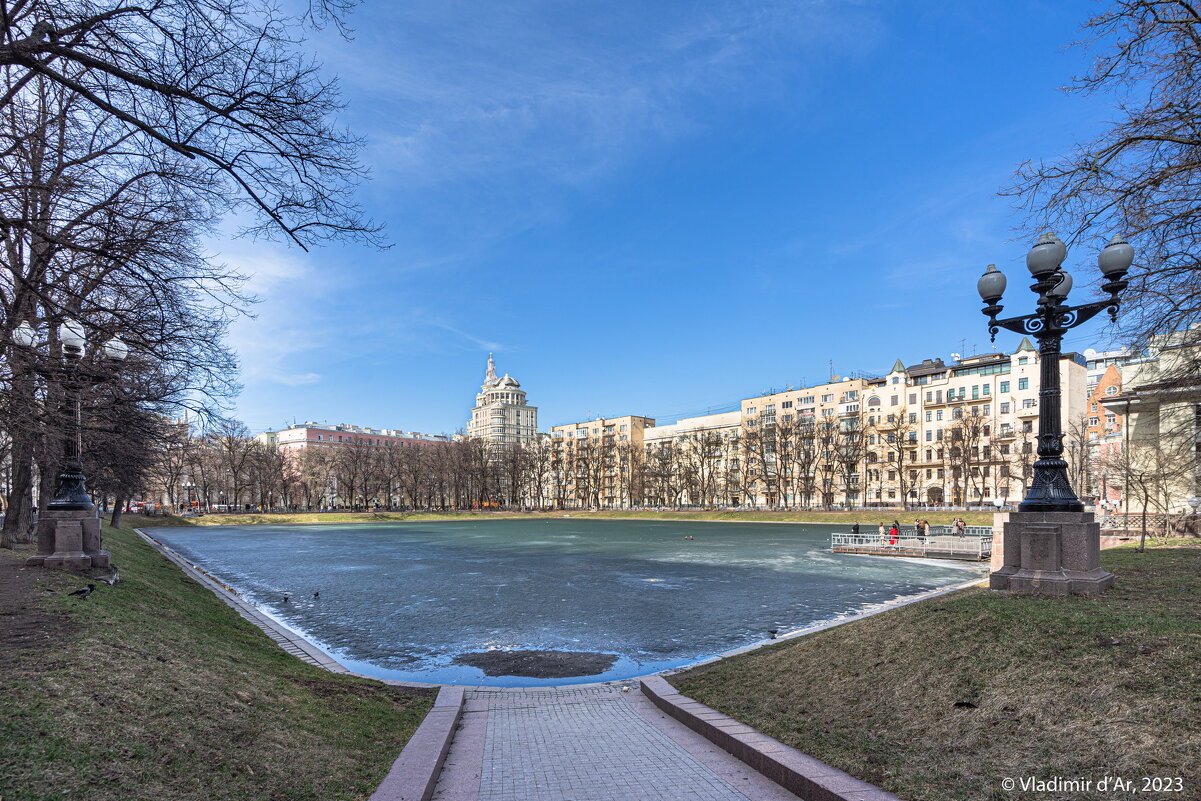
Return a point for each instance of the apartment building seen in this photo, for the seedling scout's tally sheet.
(929, 433)
(694, 461)
(798, 446)
(502, 414)
(597, 463)
(1155, 464)
(296, 438)
(963, 433)
(1105, 430)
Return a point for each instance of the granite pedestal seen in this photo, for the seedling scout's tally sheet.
(69, 539)
(1051, 553)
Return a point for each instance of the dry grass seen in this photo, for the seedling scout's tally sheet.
(165, 693)
(865, 518)
(943, 699)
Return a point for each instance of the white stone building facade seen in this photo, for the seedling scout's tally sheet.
(501, 414)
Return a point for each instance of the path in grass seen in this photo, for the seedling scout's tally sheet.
(154, 689)
(944, 699)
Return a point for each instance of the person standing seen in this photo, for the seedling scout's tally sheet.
(893, 533)
(855, 529)
(882, 540)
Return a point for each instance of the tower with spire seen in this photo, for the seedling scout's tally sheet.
(501, 413)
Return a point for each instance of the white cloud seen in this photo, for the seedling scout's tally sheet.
(284, 328)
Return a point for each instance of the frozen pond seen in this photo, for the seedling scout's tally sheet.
(405, 600)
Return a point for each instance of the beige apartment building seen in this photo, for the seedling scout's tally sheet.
(927, 434)
(597, 463)
(693, 461)
(963, 433)
(798, 447)
(1155, 464)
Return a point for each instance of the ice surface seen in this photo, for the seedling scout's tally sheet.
(403, 600)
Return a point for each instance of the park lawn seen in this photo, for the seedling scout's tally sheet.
(866, 519)
(943, 699)
(157, 690)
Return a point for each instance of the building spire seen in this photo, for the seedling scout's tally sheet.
(491, 374)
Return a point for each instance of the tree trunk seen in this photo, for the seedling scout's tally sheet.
(118, 507)
(1142, 539)
(18, 519)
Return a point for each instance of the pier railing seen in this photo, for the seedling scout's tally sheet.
(977, 544)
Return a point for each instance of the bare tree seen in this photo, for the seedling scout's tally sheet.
(219, 83)
(1140, 177)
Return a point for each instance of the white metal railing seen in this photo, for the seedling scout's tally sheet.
(977, 545)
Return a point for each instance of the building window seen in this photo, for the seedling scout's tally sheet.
(1023, 383)
(1111, 390)
(1004, 386)
(1029, 403)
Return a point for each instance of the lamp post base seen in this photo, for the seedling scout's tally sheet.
(1051, 553)
(69, 539)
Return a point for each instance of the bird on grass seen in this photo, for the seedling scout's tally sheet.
(84, 592)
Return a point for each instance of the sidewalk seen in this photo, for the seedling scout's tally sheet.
(587, 743)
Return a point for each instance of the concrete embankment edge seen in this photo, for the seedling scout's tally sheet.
(415, 772)
(796, 772)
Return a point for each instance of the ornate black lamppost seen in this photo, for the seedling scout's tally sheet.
(1051, 544)
(69, 528)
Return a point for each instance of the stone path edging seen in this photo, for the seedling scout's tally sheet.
(796, 772)
(415, 772)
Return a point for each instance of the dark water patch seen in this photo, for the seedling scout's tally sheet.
(538, 664)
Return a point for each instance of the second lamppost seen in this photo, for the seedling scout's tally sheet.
(1051, 545)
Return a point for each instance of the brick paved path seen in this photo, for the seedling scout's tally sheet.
(587, 744)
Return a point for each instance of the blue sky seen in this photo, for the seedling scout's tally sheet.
(661, 208)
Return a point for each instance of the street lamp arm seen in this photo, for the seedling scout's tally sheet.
(1053, 320)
